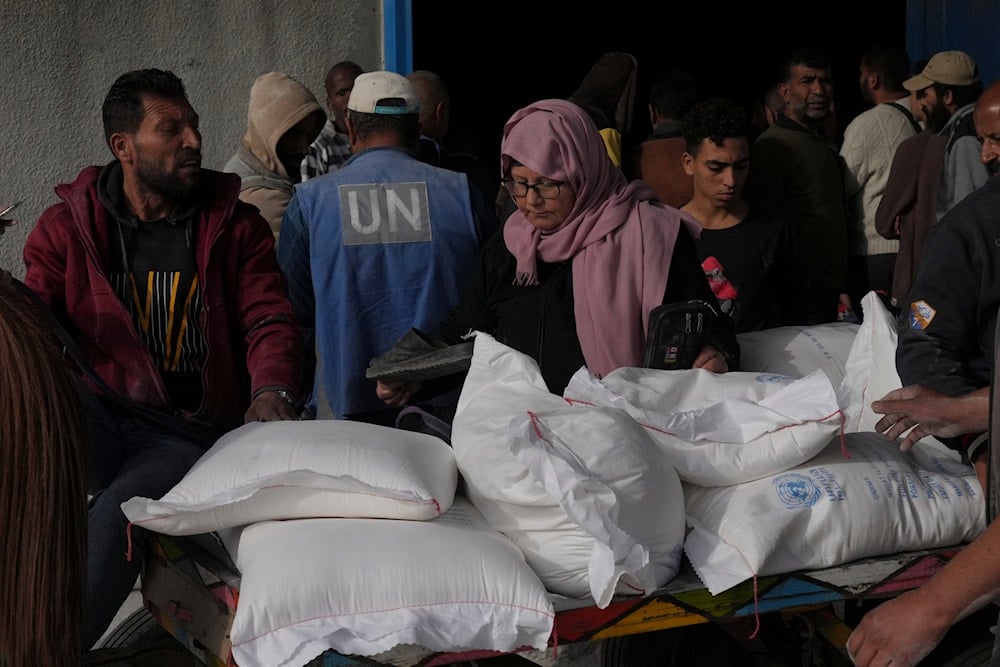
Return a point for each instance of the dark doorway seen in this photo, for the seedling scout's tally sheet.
(505, 55)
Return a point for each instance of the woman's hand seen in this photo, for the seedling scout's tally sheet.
(396, 394)
(711, 360)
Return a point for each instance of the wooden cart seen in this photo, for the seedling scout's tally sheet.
(192, 589)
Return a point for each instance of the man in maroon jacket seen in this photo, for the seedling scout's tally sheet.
(170, 286)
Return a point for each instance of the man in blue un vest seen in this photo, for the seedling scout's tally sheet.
(382, 245)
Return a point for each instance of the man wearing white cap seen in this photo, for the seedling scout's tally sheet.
(947, 89)
(381, 245)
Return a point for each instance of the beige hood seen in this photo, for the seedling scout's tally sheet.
(277, 103)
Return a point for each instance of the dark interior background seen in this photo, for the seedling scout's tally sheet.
(514, 53)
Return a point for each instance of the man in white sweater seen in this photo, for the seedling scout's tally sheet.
(870, 141)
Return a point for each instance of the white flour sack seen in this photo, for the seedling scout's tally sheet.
(721, 428)
(364, 586)
(797, 351)
(302, 469)
(870, 372)
(594, 505)
(833, 510)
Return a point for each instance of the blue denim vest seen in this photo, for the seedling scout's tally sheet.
(391, 243)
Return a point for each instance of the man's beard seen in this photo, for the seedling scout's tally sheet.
(866, 92)
(805, 115)
(937, 117)
(168, 185)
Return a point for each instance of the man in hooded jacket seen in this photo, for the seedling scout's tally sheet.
(283, 118)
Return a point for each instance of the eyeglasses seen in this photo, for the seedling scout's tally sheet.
(544, 189)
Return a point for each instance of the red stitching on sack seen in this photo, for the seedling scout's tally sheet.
(534, 425)
(843, 439)
(574, 401)
(756, 609)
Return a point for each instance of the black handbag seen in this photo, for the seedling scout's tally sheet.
(676, 334)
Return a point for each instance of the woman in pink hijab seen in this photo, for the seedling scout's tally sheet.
(573, 275)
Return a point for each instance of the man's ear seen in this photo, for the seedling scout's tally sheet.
(351, 134)
(687, 162)
(438, 113)
(783, 91)
(122, 146)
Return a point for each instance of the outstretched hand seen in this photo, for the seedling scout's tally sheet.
(929, 412)
(396, 394)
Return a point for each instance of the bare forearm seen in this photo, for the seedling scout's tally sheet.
(971, 579)
(904, 630)
(974, 411)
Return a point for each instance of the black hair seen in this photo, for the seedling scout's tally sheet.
(808, 56)
(406, 126)
(715, 119)
(346, 66)
(890, 62)
(963, 94)
(122, 110)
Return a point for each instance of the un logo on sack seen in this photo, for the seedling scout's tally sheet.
(796, 491)
(771, 378)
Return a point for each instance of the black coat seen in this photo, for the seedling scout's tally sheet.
(539, 321)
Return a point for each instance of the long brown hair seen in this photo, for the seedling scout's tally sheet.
(43, 496)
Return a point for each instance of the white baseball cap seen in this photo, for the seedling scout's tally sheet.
(383, 92)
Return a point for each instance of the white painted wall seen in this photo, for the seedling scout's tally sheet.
(59, 57)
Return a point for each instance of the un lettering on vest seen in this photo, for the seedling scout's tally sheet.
(374, 213)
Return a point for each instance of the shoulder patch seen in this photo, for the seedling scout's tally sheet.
(921, 314)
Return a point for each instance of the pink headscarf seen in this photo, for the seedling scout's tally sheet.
(618, 234)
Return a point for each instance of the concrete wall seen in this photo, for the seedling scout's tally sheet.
(59, 57)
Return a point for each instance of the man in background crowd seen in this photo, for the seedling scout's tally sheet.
(332, 147)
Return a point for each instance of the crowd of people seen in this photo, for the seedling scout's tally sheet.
(201, 300)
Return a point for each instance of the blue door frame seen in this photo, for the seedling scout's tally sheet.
(963, 25)
(397, 35)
